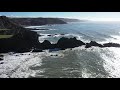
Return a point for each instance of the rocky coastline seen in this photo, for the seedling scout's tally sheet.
(24, 40)
(20, 45)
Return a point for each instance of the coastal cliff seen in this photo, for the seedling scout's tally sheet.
(21, 39)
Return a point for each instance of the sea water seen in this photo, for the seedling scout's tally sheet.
(79, 62)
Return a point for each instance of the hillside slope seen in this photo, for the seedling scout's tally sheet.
(37, 21)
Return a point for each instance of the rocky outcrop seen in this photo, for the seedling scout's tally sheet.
(111, 45)
(46, 45)
(93, 43)
(64, 43)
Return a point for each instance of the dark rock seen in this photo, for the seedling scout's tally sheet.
(1, 55)
(46, 45)
(49, 35)
(1, 59)
(56, 34)
(111, 45)
(2, 63)
(64, 43)
(37, 50)
(21, 41)
(93, 43)
(56, 55)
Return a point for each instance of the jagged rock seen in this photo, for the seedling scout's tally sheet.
(93, 43)
(111, 45)
(46, 44)
(64, 43)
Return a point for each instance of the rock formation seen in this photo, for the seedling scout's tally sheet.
(111, 45)
(93, 43)
(64, 43)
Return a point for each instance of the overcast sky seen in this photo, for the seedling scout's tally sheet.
(96, 16)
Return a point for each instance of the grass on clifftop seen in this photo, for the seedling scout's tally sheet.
(4, 29)
(5, 36)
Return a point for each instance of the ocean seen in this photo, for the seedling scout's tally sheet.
(79, 62)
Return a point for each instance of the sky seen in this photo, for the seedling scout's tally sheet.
(94, 16)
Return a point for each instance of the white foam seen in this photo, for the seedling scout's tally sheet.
(34, 26)
(114, 39)
(78, 37)
(43, 37)
(18, 66)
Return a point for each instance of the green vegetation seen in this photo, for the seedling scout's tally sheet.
(5, 36)
(4, 29)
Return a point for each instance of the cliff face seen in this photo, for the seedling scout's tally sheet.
(37, 21)
(22, 38)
